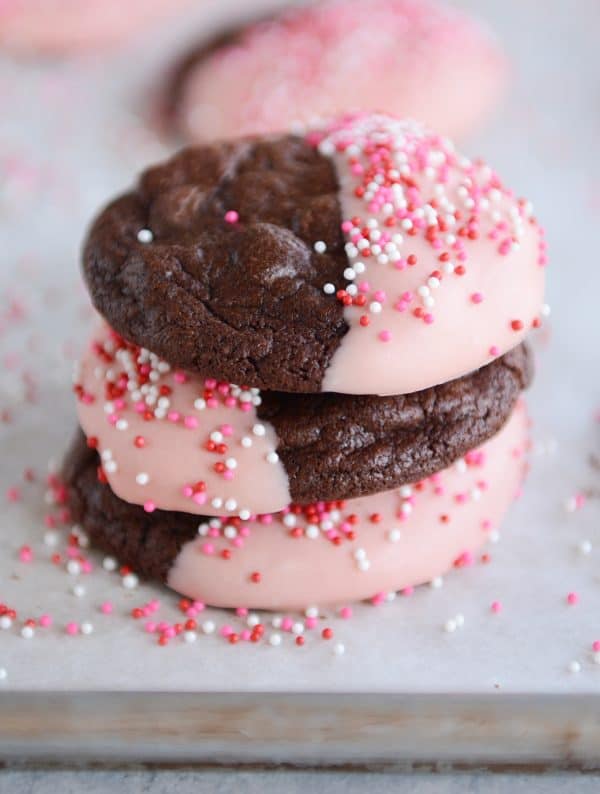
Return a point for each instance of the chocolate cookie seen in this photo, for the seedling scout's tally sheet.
(174, 440)
(325, 553)
(364, 258)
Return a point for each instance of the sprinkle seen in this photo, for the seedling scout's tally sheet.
(231, 216)
(574, 666)
(145, 236)
(320, 247)
(142, 478)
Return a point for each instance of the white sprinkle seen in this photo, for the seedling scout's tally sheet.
(122, 424)
(142, 478)
(328, 288)
(275, 639)
(3, 674)
(312, 612)
(545, 310)
(216, 436)
(145, 236)
(252, 620)
(375, 307)
(364, 565)
(349, 274)
(596, 657)
(312, 531)
(110, 467)
(585, 547)
(339, 649)
(406, 491)
(5, 622)
(272, 457)
(298, 628)
(246, 442)
(437, 582)
(130, 581)
(51, 538)
(231, 463)
(87, 628)
(290, 520)
(245, 514)
(27, 632)
(208, 626)
(360, 554)
(199, 404)
(109, 564)
(276, 621)
(259, 430)
(394, 535)
(78, 590)
(230, 505)
(450, 626)
(73, 567)
(460, 620)
(320, 247)
(217, 502)
(190, 636)
(574, 666)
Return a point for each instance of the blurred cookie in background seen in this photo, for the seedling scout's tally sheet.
(54, 27)
(416, 58)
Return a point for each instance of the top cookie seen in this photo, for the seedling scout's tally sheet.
(366, 257)
(418, 58)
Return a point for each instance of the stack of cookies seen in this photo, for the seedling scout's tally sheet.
(304, 388)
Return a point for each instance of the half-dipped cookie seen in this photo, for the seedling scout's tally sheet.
(366, 256)
(325, 553)
(174, 440)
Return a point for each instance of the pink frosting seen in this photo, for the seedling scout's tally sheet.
(416, 58)
(446, 267)
(152, 425)
(55, 26)
(362, 548)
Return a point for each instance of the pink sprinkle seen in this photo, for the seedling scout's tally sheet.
(572, 598)
(45, 621)
(428, 318)
(494, 350)
(72, 628)
(385, 335)
(180, 377)
(149, 506)
(199, 606)
(380, 296)
(346, 613)
(228, 474)
(287, 623)
(241, 612)
(246, 635)
(226, 630)
(106, 608)
(13, 494)
(190, 422)
(596, 645)
(496, 607)
(231, 216)
(227, 430)
(25, 554)
(476, 297)
(310, 623)
(199, 498)
(187, 491)
(208, 548)
(150, 627)
(408, 591)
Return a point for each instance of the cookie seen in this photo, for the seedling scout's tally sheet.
(416, 58)
(367, 257)
(331, 552)
(173, 440)
(59, 26)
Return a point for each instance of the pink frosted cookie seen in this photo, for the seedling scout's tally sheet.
(416, 58)
(56, 26)
(324, 553)
(173, 440)
(366, 256)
